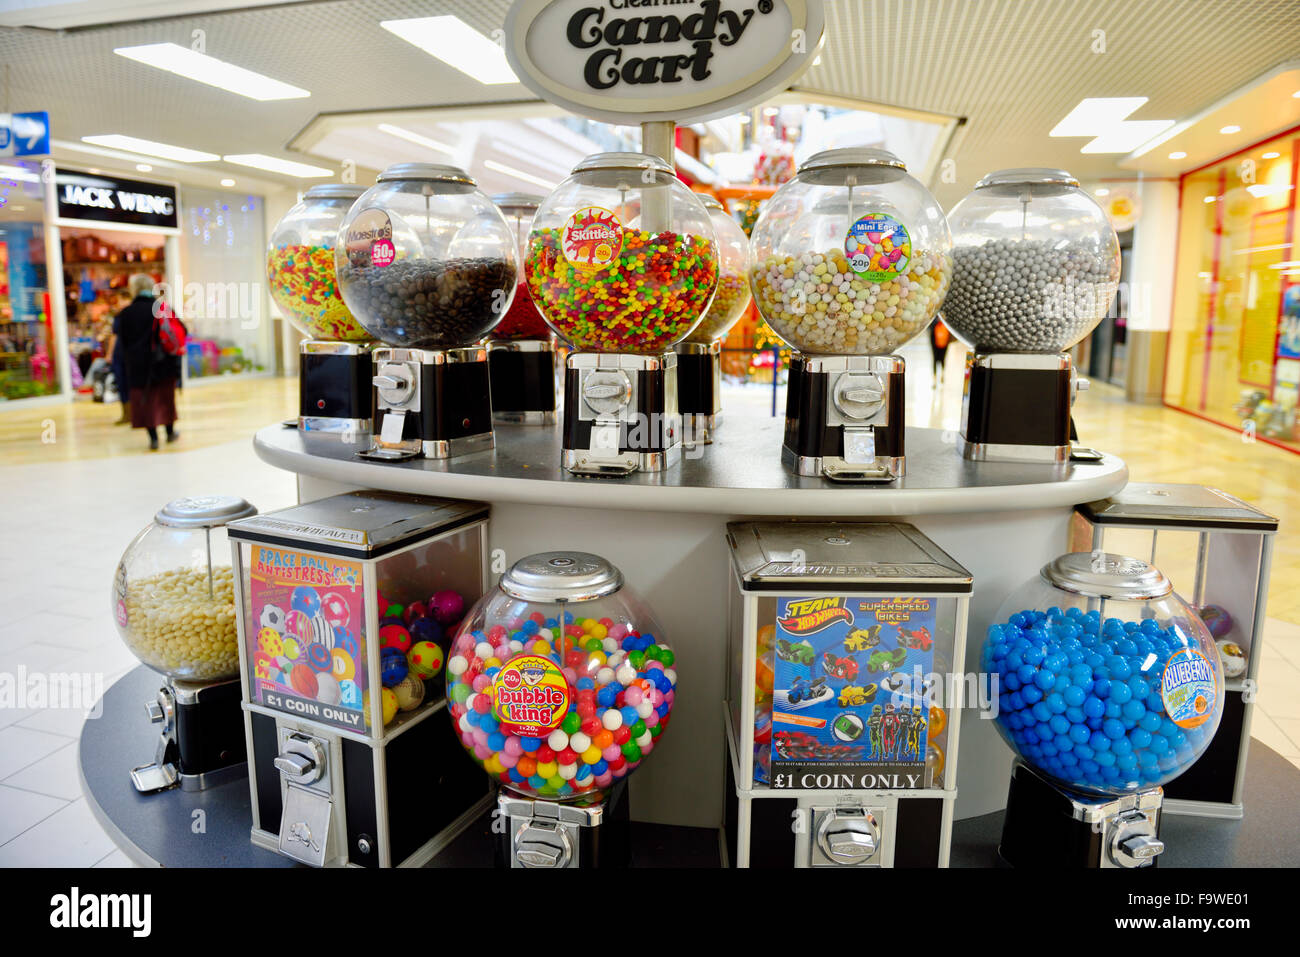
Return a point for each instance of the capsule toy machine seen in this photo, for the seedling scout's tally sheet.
(1035, 268)
(427, 264)
(521, 351)
(173, 601)
(845, 650)
(622, 263)
(560, 685)
(1108, 687)
(699, 356)
(346, 608)
(851, 261)
(334, 390)
(1217, 550)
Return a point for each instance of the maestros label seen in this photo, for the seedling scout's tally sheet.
(1189, 688)
(530, 696)
(878, 247)
(369, 239)
(592, 237)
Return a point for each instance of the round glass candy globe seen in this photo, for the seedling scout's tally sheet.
(1035, 263)
(425, 260)
(622, 256)
(300, 265)
(732, 297)
(522, 320)
(851, 257)
(1107, 682)
(558, 681)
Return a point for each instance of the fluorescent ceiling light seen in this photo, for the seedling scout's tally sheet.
(1271, 155)
(1229, 130)
(1095, 115)
(1127, 136)
(143, 168)
(1259, 190)
(206, 69)
(1210, 199)
(227, 182)
(415, 138)
(457, 44)
(276, 165)
(20, 174)
(518, 174)
(133, 144)
(1178, 155)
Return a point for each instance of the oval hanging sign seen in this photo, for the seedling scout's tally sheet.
(634, 61)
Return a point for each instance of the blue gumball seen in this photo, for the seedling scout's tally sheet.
(305, 599)
(393, 667)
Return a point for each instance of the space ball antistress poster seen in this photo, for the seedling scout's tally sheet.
(852, 688)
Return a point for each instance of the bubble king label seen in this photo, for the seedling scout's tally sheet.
(878, 247)
(530, 696)
(1189, 688)
(592, 237)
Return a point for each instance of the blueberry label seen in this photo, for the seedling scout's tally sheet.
(878, 247)
(1189, 688)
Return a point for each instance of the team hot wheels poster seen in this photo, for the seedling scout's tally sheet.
(308, 655)
(852, 684)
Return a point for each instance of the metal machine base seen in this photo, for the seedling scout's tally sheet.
(1016, 408)
(197, 747)
(334, 391)
(620, 414)
(523, 381)
(430, 403)
(1047, 826)
(551, 835)
(699, 390)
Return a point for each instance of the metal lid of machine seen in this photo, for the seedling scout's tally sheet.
(362, 524)
(625, 171)
(561, 576)
(852, 166)
(632, 161)
(854, 556)
(203, 511)
(1105, 575)
(711, 202)
(1173, 505)
(432, 172)
(335, 191)
(517, 200)
(1033, 180)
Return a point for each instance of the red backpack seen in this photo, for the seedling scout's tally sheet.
(168, 330)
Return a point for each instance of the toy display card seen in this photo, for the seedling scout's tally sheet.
(854, 680)
(307, 654)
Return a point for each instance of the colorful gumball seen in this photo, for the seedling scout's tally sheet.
(426, 629)
(291, 647)
(389, 705)
(346, 641)
(305, 599)
(425, 659)
(393, 666)
(270, 642)
(409, 692)
(272, 617)
(396, 636)
(1216, 619)
(319, 658)
(446, 607)
(335, 609)
(414, 612)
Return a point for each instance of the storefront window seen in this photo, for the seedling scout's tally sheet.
(1234, 345)
(26, 327)
(225, 304)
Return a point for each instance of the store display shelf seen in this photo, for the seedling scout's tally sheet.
(740, 473)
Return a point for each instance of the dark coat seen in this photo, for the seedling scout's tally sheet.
(145, 365)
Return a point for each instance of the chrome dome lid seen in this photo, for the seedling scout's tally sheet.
(1106, 575)
(561, 576)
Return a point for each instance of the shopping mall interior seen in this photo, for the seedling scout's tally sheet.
(1098, 298)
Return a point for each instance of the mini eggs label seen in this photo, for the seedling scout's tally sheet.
(878, 247)
(1189, 688)
(530, 696)
(592, 236)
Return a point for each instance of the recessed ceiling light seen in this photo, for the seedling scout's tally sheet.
(415, 138)
(1259, 190)
(770, 111)
(1229, 129)
(1095, 115)
(227, 182)
(133, 144)
(1126, 136)
(1210, 199)
(1271, 155)
(144, 167)
(206, 69)
(1178, 155)
(1102, 191)
(457, 44)
(518, 174)
(275, 165)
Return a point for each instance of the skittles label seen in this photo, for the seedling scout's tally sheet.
(592, 237)
(530, 696)
(1189, 688)
(878, 247)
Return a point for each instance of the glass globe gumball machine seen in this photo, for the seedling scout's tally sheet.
(560, 685)
(851, 261)
(1108, 685)
(699, 356)
(427, 265)
(622, 262)
(174, 604)
(521, 352)
(1035, 267)
(334, 392)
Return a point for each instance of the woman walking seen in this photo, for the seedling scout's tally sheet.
(150, 370)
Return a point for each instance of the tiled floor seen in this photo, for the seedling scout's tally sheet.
(73, 504)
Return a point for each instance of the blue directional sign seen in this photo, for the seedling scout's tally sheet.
(24, 134)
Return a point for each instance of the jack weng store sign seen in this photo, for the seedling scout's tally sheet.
(97, 198)
(632, 61)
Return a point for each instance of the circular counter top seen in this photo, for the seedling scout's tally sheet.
(739, 474)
